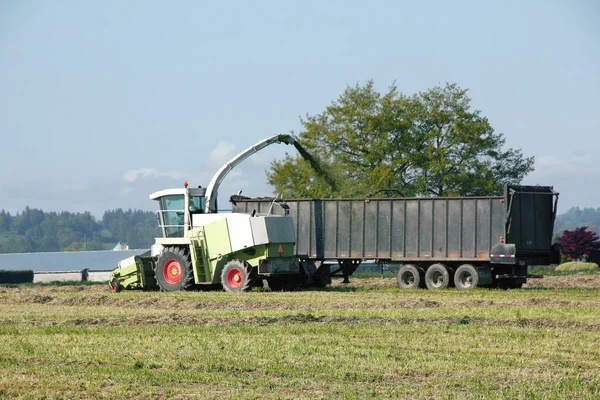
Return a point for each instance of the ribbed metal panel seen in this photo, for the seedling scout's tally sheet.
(393, 229)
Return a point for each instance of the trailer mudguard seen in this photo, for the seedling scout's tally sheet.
(503, 253)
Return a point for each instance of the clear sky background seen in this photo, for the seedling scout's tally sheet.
(104, 102)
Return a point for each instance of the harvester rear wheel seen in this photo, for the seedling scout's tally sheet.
(174, 270)
(237, 276)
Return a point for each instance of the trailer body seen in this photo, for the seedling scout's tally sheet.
(498, 235)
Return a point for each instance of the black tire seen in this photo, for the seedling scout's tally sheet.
(511, 284)
(466, 277)
(173, 270)
(320, 280)
(286, 283)
(258, 283)
(237, 276)
(275, 283)
(409, 277)
(437, 277)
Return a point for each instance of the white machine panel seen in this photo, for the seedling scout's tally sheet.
(203, 219)
(259, 230)
(240, 233)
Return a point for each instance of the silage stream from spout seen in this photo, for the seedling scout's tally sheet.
(315, 165)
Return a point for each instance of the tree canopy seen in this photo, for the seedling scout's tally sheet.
(427, 144)
(579, 243)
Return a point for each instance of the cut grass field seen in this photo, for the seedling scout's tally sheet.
(364, 340)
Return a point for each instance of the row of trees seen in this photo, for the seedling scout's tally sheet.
(34, 230)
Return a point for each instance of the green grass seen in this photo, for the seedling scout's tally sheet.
(365, 340)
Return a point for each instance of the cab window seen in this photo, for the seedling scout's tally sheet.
(197, 204)
(171, 209)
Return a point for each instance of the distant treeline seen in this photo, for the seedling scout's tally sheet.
(577, 217)
(34, 230)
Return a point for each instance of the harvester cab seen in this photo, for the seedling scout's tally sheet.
(176, 207)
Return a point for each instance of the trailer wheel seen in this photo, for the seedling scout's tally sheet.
(173, 270)
(466, 277)
(409, 277)
(237, 276)
(437, 277)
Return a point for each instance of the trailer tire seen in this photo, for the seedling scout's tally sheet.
(466, 277)
(437, 277)
(409, 277)
(173, 270)
(237, 276)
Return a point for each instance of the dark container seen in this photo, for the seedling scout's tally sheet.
(454, 229)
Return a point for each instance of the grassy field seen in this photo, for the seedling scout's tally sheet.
(364, 340)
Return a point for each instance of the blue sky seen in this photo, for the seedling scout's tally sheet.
(104, 102)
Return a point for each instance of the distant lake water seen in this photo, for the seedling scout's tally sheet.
(66, 261)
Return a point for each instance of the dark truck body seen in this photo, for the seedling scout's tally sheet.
(499, 235)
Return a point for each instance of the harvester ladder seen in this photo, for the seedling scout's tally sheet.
(199, 254)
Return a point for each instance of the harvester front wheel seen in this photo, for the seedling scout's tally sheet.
(174, 270)
(115, 286)
(237, 276)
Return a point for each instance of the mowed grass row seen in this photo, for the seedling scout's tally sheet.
(357, 342)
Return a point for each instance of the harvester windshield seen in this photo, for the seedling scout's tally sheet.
(172, 212)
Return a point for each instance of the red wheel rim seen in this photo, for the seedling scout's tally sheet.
(172, 271)
(113, 287)
(234, 278)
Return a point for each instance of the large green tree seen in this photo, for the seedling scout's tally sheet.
(430, 143)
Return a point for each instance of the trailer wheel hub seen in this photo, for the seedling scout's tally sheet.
(172, 271)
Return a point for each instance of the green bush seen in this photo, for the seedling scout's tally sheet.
(577, 266)
(16, 276)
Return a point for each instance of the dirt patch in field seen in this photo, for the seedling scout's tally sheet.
(587, 281)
